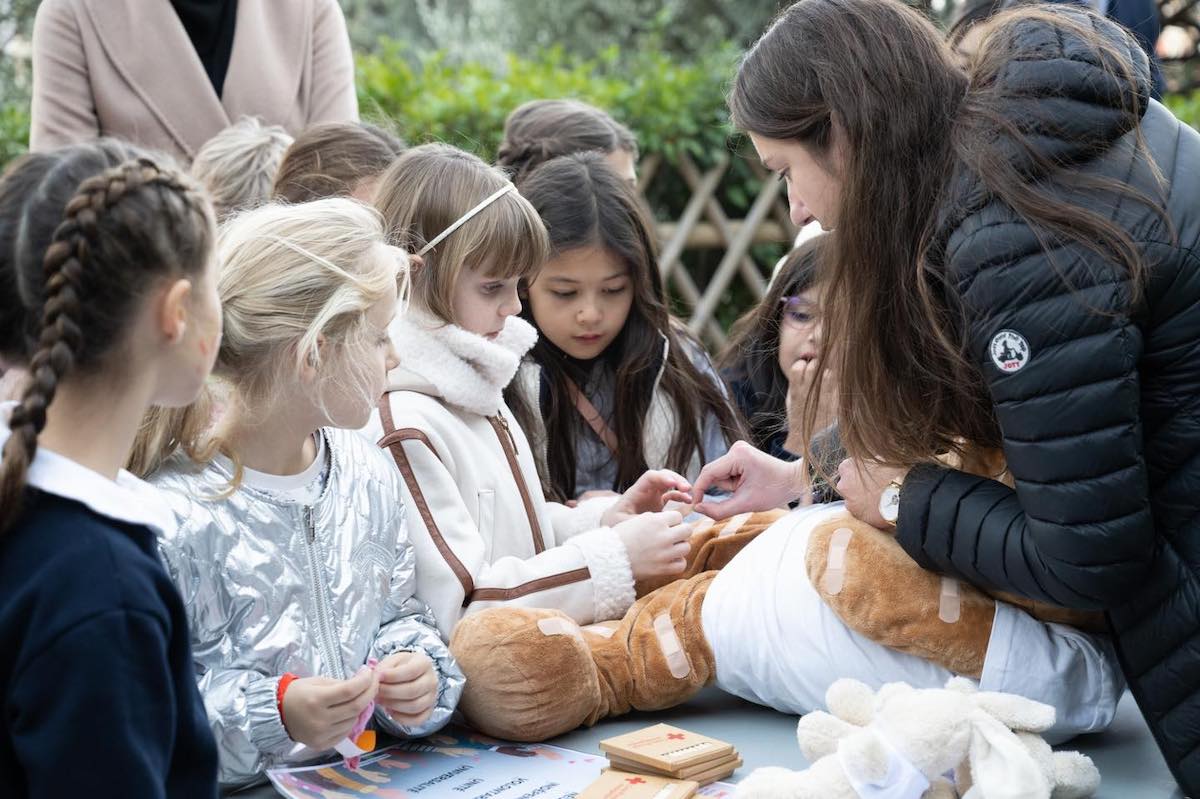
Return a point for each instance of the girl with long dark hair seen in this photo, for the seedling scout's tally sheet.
(614, 385)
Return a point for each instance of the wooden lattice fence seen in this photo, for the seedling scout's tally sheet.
(705, 224)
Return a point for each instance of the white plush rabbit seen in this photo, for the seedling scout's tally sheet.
(904, 743)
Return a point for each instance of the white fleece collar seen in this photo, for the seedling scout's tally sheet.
(128, 499)
(465, 369)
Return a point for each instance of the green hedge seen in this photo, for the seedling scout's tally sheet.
(1186, 107)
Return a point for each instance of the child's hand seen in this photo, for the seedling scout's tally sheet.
(657, 543)
(652, 490)
(320, 711)
(802, 378)
(408, 687)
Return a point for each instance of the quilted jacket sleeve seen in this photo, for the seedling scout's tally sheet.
(1060, 354)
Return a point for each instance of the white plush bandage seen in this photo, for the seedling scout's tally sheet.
(835, 567)
(465, 218)
(734, 524)
(949, 604)
(672, 650)
(602, 630)
(556, 625)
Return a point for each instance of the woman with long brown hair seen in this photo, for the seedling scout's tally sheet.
(1013, 266)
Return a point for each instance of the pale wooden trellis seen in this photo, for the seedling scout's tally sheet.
(704, 224)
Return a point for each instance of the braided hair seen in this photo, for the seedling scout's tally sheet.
(122, 231)
(541, 130)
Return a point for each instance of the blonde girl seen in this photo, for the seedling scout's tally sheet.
(292, 553)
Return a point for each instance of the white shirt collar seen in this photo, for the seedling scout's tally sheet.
(128, 499)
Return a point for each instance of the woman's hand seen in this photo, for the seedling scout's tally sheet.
(861, 484)
(758, 482)
(649, 494)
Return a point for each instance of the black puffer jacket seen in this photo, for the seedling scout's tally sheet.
(1098, 399)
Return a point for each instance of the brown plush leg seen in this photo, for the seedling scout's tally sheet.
(714, 544)
(885, 596)
(535, 674)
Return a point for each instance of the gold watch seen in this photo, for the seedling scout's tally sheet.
(889, 501)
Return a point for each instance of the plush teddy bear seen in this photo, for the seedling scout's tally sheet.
(534, 674)
(902, 742)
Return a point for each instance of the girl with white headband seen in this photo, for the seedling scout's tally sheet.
(484, 533)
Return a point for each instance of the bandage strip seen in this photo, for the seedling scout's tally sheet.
(557, 625)
(949, 603)
(835, 567)
(734, 524)
(672, 650)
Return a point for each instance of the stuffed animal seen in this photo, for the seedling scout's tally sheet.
(902, 743)
(534, 674)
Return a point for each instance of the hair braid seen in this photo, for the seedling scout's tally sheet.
(66, 274)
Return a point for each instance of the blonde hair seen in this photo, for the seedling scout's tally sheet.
(238, 165)
(292, 276)
(428, 189)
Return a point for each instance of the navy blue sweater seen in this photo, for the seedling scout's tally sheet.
(96, 669)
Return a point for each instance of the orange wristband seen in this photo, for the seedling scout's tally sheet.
(284, 682)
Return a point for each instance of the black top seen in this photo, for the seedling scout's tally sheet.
(1098, 406)
(96, 674)
(210, 25)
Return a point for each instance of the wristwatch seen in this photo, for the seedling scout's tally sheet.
(889, 501)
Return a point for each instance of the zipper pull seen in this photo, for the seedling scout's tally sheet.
(309, 527)
(504, 423)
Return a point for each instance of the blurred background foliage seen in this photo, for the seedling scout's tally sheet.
(451, 70)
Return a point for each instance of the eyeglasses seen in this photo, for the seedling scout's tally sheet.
(800, 313)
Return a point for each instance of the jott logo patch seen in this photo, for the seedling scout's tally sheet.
(1010, 351)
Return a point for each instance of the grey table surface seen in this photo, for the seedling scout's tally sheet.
(1131, 766)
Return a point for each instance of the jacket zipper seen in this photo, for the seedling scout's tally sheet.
(509, 444)
(326, 640)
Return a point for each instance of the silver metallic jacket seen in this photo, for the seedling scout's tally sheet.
(273, 587)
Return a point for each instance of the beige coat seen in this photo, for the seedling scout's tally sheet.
(126, 68)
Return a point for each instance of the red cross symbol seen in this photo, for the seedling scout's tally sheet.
(636, 781)
(674, 736)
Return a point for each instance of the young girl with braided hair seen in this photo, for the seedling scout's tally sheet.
(95, 649)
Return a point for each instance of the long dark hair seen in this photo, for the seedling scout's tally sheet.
(584, 203)
(541, 130)
(752, 354)
(34, 191)
(82, 267)
(912, 122)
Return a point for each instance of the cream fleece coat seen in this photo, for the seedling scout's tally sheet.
(483, 531)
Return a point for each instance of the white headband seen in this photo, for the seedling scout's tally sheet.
(462, 220)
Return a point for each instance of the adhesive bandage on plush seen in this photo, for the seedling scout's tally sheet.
(950, 601)
(835, 567)
(734, 524)
(668, 641)
(556, 625)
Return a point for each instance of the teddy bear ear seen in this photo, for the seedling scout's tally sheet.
(890, 691)
(851, 701)
(1001, 765)
(1015, 712)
